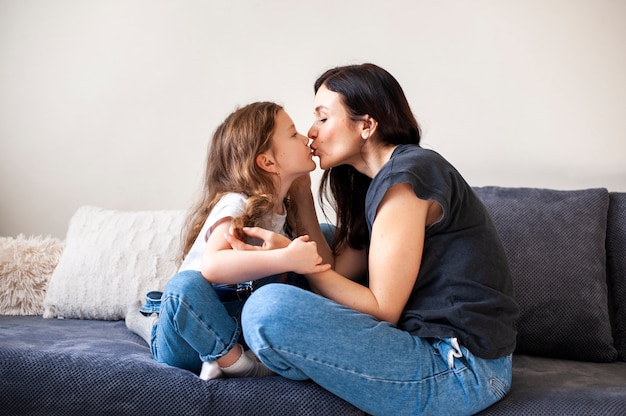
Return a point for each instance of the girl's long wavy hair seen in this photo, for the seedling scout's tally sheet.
(364, 89)
(231, 167)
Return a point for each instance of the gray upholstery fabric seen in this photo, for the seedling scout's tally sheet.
(74, 367)
(82, 367)
(616, 266)
(549, 386)
(555, 244)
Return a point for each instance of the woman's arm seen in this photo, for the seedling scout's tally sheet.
(395, 256)
(306, 216)
(222, 264)
(350, 262)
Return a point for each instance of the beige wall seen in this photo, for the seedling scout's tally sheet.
(111, 103)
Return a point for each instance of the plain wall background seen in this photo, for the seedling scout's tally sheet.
(112, 103)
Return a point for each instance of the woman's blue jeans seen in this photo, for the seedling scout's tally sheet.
(372, 364)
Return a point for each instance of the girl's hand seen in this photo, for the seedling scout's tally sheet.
(303, 257)
(271, 240)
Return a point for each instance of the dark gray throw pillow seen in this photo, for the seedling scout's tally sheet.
(555, 244)
(616, 266)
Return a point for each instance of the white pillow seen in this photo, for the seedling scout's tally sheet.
(111, 260)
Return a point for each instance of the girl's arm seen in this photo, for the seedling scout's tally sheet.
(222, 264)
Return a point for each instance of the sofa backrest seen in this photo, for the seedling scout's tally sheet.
(616, 267)
(556, 244)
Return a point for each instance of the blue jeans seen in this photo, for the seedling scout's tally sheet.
(372, 364)
(194, 325)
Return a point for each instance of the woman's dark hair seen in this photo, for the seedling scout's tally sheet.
(365, 89)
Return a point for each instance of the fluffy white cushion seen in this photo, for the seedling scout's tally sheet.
(111, 260)
(26, 264)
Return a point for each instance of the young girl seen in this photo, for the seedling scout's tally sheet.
(254, 157)
(433, 330)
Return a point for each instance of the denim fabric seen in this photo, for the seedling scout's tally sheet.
(328, 230)
(153, 303)
(193, 324)
(371, 364)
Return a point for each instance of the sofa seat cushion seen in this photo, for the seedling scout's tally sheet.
(552, 386)
(555, 244)
(61, 367)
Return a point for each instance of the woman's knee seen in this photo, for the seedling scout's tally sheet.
(270, 308)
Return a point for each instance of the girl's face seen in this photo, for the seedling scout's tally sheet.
(290, 149)
(336, 138)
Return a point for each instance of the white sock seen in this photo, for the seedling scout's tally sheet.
(247, 366)
(140, 324)
(210, 370)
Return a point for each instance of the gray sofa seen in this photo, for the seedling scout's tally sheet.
(567, 251)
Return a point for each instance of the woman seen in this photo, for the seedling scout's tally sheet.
(432, 330)
(253, 158)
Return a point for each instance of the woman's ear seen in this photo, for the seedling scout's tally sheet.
(265, 162)
(369, 127)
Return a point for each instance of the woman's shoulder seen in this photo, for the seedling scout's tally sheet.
(416, 161)
(412, 152)
(431, 176)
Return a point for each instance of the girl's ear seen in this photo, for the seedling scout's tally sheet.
(369, 127)
(265, 162)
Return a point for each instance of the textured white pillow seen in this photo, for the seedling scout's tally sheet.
(26, 264)
(111, 260)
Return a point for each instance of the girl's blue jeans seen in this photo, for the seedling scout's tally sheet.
(194, 325)
(372, 364)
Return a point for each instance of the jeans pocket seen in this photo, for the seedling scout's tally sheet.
(498, 387)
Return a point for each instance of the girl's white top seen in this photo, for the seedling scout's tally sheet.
(230, 205)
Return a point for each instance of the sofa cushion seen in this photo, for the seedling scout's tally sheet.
(616, 266)
(111, 260)
(555, 244)
(551, 386)
(26, 264)
(81, 367)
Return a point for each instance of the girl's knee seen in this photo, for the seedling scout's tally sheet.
(184, 282)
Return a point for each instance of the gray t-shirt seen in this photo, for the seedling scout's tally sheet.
(463, 287)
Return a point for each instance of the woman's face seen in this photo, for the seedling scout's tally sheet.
(336, 139)
(290, 148)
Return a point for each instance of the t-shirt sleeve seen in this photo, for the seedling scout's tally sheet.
(231, 205)
(426, 172)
